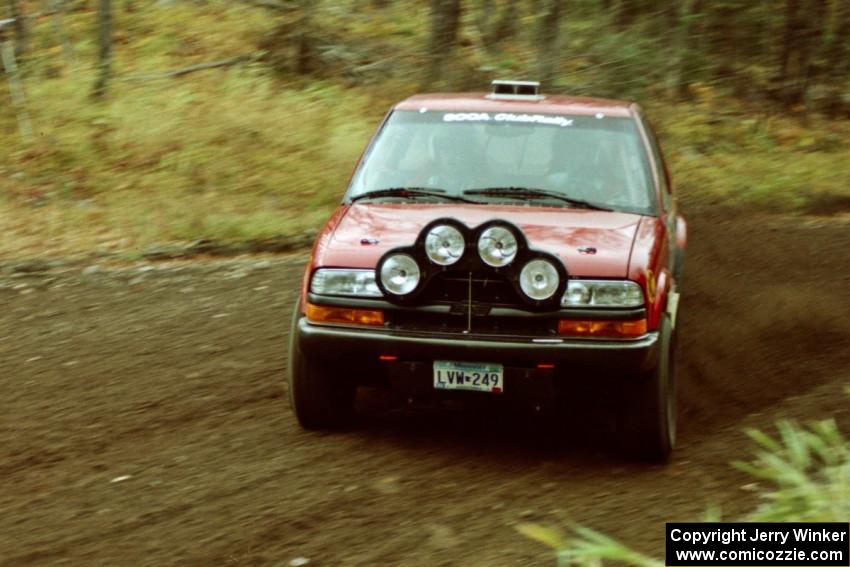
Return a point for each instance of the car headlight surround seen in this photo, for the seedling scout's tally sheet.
(405, 273)
(345, 282)
(400, 274)
(539, 279)
(602, 293)
(444, 244)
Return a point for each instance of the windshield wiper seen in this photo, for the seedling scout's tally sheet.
(411, 193)
(531, 192)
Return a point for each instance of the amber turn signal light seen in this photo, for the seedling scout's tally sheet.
(615, 329)
(344, 315)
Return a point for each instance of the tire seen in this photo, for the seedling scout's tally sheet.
(649, 425)
(679, 267)
(319, 398)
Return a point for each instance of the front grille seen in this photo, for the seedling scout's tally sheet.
(487, 287)
(488, 290)
(430, 322)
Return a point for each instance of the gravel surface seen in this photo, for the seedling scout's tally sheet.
(145, 419)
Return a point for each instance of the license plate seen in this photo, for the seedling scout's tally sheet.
(475, 376)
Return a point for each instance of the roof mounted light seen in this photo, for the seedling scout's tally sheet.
(516, 90)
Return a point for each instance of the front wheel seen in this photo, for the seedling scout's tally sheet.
(649, 412)
(320, 397)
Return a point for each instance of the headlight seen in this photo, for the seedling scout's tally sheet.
(497, 246)
(539, 279)
(332, 281)
(400, 274)
(444, 245)
(587, 293)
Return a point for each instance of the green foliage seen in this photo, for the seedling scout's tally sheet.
(809, 468)
(721, 153)
(805, 476)
(245, 152)
(180, 160)
(586, 548)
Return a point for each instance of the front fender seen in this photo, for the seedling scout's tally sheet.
(681, 232)
(659, 299)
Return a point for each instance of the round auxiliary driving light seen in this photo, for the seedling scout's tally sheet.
(539, 279)
(497, 246)
(444, 245)
(400, 274)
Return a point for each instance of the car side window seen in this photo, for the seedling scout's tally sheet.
(658, 158)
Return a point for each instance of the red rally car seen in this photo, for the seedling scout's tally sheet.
(498, 244)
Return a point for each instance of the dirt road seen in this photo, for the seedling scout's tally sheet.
(144, 419)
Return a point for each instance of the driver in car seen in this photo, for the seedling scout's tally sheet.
(450, 161)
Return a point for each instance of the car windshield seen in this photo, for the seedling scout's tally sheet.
(508, 157)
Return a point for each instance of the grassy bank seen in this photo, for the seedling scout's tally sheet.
(801, 475)
(226, 156)
(240, 153)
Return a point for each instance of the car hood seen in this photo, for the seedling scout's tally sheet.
(358, 235)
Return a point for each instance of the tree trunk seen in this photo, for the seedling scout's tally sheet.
(787, 59)
(58, 9)
(485, 16)
(724, 42)
(689, 42)
(668, 20)
(812, 40)
(627, 11)
(548, 40)
(20, 29)
(305, 56)
(803, 32)
(675, 36)
(445, 22)
(838, 58)
(104, 38)
(7, 54)
(839, 47)
(503, 29)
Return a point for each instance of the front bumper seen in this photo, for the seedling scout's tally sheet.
(574, 360)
